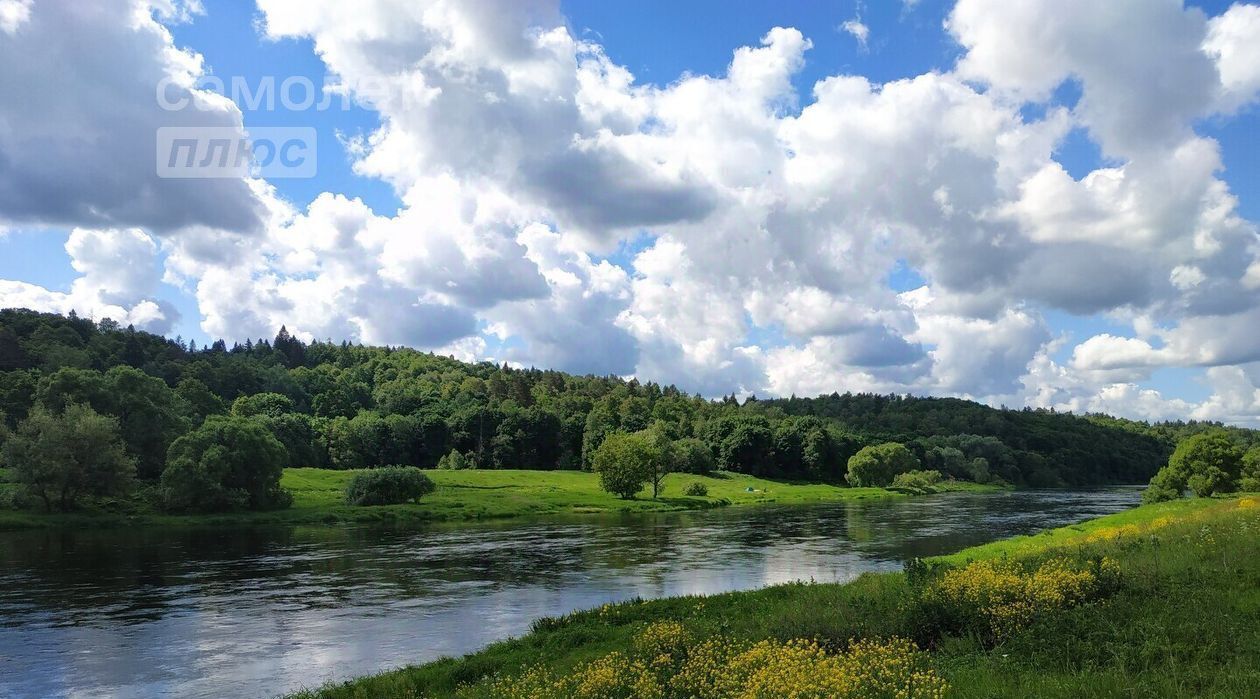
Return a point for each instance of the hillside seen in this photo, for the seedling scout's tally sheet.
(338, 405)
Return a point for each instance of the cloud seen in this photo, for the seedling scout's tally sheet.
(1235, 395)
(80, 121)
(1233, 41)
(118, 277)
(859, 31)
(1143, 76)
(763, 225)
(574, 326)
(13, 14)
(769, 219)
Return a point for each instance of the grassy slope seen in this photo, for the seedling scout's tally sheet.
(463, 495)
(1185, 623)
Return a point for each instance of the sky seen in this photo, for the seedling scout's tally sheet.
(1045, 203)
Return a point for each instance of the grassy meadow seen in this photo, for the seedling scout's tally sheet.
(318, 497)
(1159, 601)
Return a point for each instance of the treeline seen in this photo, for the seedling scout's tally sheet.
(1040, 448)
(339, 405)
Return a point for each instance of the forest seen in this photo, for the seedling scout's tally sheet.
(196, 417)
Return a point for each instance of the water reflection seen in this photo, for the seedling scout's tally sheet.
(254, 612)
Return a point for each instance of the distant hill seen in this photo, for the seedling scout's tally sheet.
(341, 405)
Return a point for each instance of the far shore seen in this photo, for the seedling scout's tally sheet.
(318, 499)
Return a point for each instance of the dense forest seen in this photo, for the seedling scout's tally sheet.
(348, 406)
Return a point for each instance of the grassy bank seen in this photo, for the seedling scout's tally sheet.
(1159, 601)
(468, 495)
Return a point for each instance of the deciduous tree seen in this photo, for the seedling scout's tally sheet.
(59, 457)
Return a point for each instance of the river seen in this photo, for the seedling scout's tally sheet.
(227, 613)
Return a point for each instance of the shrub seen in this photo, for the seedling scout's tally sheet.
(876, 466)
(995, 598)
(667, 662)
(12, 498)
(696, 489)
(388, 485)
(917, 481)
(228, 463)
(456, 461)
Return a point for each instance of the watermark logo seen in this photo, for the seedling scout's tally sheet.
(224, 152)
(295, 93)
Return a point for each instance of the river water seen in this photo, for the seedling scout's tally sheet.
(227, 613)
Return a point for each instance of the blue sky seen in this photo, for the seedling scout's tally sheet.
(662, 44)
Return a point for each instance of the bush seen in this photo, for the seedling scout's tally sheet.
(916, 481)
(13, 498)
(228, 463)
(696, 489)
(666, 661)
(456, 461)
(388, 485)
(993, 599)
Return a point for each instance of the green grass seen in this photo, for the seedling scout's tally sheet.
(1074, 535)
(1184, 622)
(468, 495)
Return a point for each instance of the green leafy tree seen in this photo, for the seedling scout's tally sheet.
(362, 442)
(818, 454)
(1167, 484)
(691, 455)
(626, 462)
(269, 404)
(1249, 479)
(664, 462)
(149, 413)
(69, 386)
(199, 401)
(978, 470)
(455, 461)
(1206, 463)
(526, 439)
(600, 422)
(301, 439)
(225, 464)
(877, 466)
(344, 397)
(12, 356)
(59, 458)
(633, 414)
(947, 460)
(747, 449)
(17, 394)
(917, 481)
(149, 416)
(1213, 480)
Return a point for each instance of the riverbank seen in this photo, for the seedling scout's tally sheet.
(318, 498)
(1158, 601)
